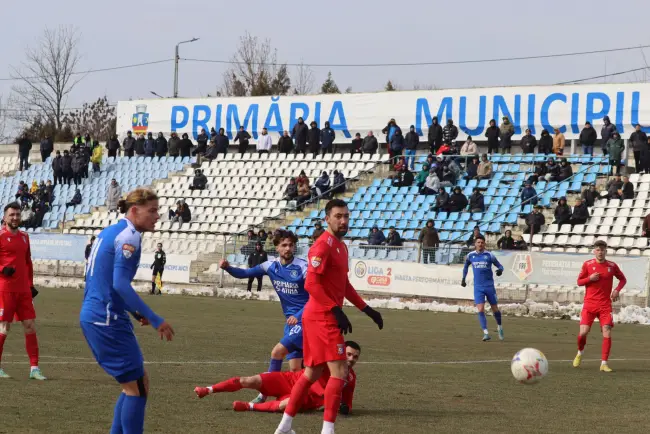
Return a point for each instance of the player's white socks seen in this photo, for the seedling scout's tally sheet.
(603, 362)
(580, 352)
(499, 327)
(486, 331)
(210, 389)
(33, 368)
(285, 423)
(328, 428)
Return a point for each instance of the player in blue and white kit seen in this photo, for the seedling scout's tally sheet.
(108, 300)
(287, 274)
(481, 261)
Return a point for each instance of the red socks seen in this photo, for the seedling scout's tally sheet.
(2, 343)
(582, 341)
(607, 345)
(31, 344)
(298, 395)
(232, 385)
(333, 398)
(268, 407)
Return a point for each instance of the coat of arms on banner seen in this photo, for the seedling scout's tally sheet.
(522, 266)
(140, 119)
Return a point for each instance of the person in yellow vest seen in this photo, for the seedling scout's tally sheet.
(97, 154)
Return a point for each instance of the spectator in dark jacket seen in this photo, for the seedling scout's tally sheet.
(449, 132)
(404, 178)
(57, 168)
(390, 130)
(370, 144)
(393, 239)
(300, 133)
(77, 167)
(222, 142)
(376, 237)
(565, 171)
(435, 135)
(139, 146)
(535, 220)
(339, 183)
(211, 152)
(113, 146)
(528, 143)
(318, 231)
(411, 142)
(161, 145)
(257, 257)
(285, 144)
(66, 165)
(129, 144)
(506, 242)
(562, 212)
(76, 199)
(243, 138)
(291, 191)
(528, 195)
(313, 137)
(546, 143)
(492, 135)
(430, 241)
(47, 147)
(539, 172)
(472, 168)
(590, 195)
(457, 201)
(327, 137)
(202, 143)
(639, 142)
(615, 148)
(24, 146)
(89, 247)
(606, 133)
(356, 146)
(185, 146)
(396, 145)
(322, 184)
(580, 213)
(477, 201)
(476, 233)
(506, 131)
(200, 181)
(628, 188)
(150, 146)
(172, 145)
(588, 139)
(442, 201)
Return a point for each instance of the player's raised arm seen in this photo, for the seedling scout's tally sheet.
(242, 273)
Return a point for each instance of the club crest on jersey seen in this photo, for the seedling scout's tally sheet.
(339, 349)
(316, 261)
(128, 250)
(294, 274)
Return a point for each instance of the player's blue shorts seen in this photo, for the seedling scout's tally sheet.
(481, 294)
(292, 341)
(116, 350)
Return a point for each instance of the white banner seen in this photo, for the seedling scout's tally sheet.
(177, 268)
(408, 278)
(539, 107)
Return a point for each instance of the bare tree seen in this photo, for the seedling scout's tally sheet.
(418, 86)
(304, 80)
(47, 75)
(3, 122)
(97, 119)
(255, 71)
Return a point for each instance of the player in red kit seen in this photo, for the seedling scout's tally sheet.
(597, 275)
(323, 319)
(17, 286)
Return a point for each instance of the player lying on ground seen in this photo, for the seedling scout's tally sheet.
(324, 321)
(481, 261)
(279, 384)
(108, 296)
(287, 274)
(597, 276)
(17, 287)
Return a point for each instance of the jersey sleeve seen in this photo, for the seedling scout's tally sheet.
(353, 296)
(621, 278)
(28, 261)
(242, 273)
(318, 258)
(127, 246)
(583, 277)
(466, 266)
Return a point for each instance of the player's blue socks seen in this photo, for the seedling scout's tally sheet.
(275, 365)
(483, 320)
(133, 414)
(116, 428)
(497, 316)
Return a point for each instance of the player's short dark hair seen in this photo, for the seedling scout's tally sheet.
(12, 205)
(354, 345)
(479, 237)
(335, 203)
(281, 234)
(600, 244)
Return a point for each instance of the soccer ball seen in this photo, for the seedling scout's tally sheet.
(529, 366)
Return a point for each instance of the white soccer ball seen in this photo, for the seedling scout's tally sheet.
(529, 366)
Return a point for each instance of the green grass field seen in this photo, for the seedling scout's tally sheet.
(425, 372)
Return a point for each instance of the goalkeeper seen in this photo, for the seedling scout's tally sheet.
(481, 261)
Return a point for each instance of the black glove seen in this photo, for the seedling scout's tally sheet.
(463, 283)
(375, 316)
(151, 266)
(344, 409)
(499, 272)
(34, 292)
(8, 271)
(137, 316)
(342, 320)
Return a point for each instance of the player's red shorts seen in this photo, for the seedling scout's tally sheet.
(322, 342)
(590, 313)
(279, 384)
(18, 303)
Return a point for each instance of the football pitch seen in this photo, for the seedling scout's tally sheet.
(425, 372)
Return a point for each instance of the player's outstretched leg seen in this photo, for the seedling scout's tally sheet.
(231, 385)
(278, 354)
(482, 319)
(607, 346)
(31, 345)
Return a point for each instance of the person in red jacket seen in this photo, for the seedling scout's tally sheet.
(597, 276)
(17, 287)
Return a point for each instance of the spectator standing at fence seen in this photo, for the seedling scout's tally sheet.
(628, 188)
(222, 141)
(376, 237)
(139, 146)
(257, 257)
(394, 239)
(356, 145)
(318, 231)
(77, 167)
(264, 143)
(606, 133)
(506, 242)
(562, 212)
(244, 139)
(76, 199)
(492, 136)
(285, 144)
(89, 247)
(411, 142)
(588, 139)
(327, 137)
(201, 143)
(645, 158)
(128, 144)
(173, 145)
(590, 195)
(528, 195)
(506, 131)
(113, 195)
(66, 165)
(113, 146)
(370, 144)
(580, 213)
(545, 143)
(535, 220)
(396, 145)
(47, 147)
(24, 147)
(185, 146)
(477, 201)
(97, 155)
(450, 133)
(434, 136)
(161, 145)
(639, 142)
(429, 242)
(558, 142)
(484, 170)
(528, 143)
(57, 168)
(615, 148)
(390, 129)
(300, 133)
(150, 146)
(313, 137)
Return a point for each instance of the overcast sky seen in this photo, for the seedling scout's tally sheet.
(121, 32)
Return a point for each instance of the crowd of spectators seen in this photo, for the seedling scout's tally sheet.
(34, 201)
(300, 190)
